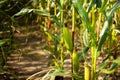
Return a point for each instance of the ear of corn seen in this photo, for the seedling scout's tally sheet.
(68, 39)
(75, 62)
(86, 71)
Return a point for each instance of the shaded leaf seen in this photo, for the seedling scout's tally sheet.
(98, 3)
(103, 66)
(41, 12)
(3, 3)
(113, 68)
(3, 41)
(38, 12)
(57, 21)
(84, 51)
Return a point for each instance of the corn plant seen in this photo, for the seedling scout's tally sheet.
(90, 26)
(96, 18)
(6, 29)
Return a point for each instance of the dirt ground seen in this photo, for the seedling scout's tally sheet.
(29, 55)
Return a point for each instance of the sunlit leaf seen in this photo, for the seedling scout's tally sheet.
(85, 38)
(104, 5)
(67, 38)
(106, 27)
(24, 11)
(57, 72)
(116, 5)
(90, 6)
(41, 12)
(104, 33)
(93, 2)
(117, 61)
(46, 75)
(79, 8)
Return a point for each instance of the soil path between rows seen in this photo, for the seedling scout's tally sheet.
(29, 55)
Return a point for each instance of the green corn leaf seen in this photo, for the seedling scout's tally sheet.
(52, 37)
(24, 11)
(57, 21)
(3, 13)
(98, 3)
(45, 76)
(38, 12)
(117, 61)
(93, 2)
(104, 5)
(103, 65)
(56, 72)
(61, 3)
(67, 38)
(27, 11)
(106, 27)
(108, 71)
(43, 13)
(77, 76)
(105, 62)
(103, 35)
(3, 3)
(78, 6)
(90, 6)
(3, 41)
(58, 3)
(113, 68)
(85, 38)
(116, 5)
(60, 72)
(84, 51)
